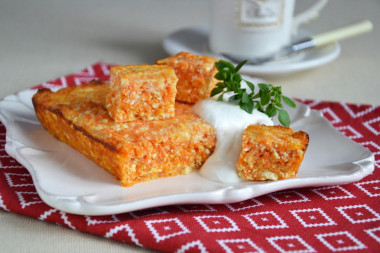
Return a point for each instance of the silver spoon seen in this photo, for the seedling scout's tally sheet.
(307, 43)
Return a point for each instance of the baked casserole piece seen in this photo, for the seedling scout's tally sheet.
(271, 152)
(195, 75)
(144, 92)
(134, 151)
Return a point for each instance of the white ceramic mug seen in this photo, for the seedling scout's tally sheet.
(256, 28)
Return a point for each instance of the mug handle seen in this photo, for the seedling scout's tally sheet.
(308, 15)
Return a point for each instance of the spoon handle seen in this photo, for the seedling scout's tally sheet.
(342, 33)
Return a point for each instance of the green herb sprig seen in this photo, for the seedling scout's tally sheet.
(268, 99)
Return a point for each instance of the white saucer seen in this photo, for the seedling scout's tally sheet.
(195, 40)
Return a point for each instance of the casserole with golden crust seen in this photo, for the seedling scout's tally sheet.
(271, 152)
(145, 92)
(195, 75)
(133, 152)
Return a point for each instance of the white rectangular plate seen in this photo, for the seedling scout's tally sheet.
(68, 181)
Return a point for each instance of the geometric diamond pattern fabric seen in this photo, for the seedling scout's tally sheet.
(317, 219)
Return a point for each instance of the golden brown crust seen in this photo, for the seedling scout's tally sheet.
(133, 152)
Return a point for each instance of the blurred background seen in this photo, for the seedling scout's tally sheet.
(42, 40)
(45, 39)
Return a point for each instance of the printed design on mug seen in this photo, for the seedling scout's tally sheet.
(259, 13)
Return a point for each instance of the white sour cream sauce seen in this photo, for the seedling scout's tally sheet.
(229, 121)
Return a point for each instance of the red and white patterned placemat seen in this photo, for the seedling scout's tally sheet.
(320, 219)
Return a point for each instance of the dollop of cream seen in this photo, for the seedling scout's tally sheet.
(230, 122)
